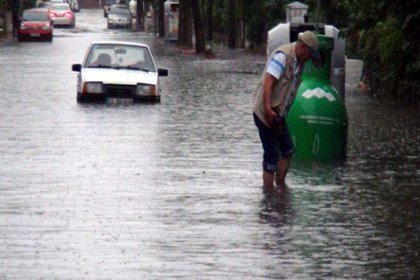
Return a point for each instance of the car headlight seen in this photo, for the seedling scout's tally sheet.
(93, 88)
(146, 90)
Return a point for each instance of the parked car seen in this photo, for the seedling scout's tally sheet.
(122, 70)
(107, 6)
(62, 15)
(119, 16)
(36, 24)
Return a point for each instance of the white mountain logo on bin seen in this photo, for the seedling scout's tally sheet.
(319, 93)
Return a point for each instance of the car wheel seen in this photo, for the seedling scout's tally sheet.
(50, 38)
(80, 98)
(19, 38)
(83, 99)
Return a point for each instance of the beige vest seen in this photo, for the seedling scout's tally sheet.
(282, 88)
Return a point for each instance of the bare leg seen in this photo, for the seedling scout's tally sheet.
(268, 180)
(282, 168)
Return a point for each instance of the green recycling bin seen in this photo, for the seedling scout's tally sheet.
(318, 119)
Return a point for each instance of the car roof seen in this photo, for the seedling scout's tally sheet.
(125, 43)
(37, 10)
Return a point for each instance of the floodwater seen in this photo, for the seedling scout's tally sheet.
(173, 190)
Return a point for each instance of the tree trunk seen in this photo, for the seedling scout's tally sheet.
(161, 18)
(232, 24)
(210, 20)
(200, 43)
(185, 27)
(140, 15)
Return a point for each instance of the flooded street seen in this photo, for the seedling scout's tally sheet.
(173, 190)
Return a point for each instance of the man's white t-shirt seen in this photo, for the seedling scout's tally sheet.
(276, 65)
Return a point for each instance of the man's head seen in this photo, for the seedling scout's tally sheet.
(307, 48)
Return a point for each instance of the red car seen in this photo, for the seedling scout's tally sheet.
(62, 15)
(36, 24)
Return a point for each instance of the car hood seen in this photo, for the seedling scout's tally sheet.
(122, 77)
(37, 24)
(119, 16)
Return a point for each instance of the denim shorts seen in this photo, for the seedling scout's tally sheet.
(274, 145)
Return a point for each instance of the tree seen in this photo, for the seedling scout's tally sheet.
(161, 18)
(189, 11)
(386, 35)
(232, 24)
(209, 18)
(260, 16)
(140, 15)
(185, 27)
(200, 43)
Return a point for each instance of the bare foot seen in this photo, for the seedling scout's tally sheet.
(280, 185)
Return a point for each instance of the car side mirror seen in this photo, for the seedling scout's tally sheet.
(76, 67)
(162, 72)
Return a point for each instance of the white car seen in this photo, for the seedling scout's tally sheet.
(118, 70)
(119, 16)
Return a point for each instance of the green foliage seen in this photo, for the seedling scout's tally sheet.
(386, 35)
(382, 51)
(26, 4)
(260, 16)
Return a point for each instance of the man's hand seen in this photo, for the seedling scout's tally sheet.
(270, 115)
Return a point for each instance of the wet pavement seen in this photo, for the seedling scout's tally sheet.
(173, 190)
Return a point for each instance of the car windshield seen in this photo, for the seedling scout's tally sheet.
(35, 16)
(120, 57)
(119, 10)
(61, 7)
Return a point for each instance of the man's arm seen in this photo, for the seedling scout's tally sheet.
(268, 86)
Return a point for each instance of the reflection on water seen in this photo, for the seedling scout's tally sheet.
(172, 190)
(276, 208)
